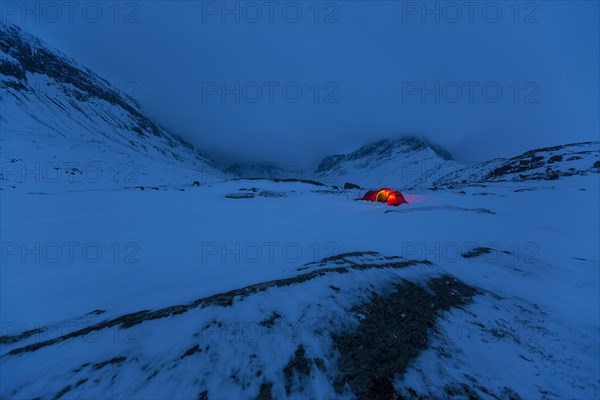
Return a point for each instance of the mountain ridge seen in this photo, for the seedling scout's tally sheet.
(540, 164)
(86, 112)
(392, 161)
(411, 162)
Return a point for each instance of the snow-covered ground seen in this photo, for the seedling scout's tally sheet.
(75, 259)
(131, 267)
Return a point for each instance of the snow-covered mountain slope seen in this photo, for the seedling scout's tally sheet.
(315, 295)
(544, 164)
(406, 162)
(62, 125)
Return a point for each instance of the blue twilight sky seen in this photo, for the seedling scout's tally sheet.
(294, 81)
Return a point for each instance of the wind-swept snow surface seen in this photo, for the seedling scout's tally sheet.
(206, 293)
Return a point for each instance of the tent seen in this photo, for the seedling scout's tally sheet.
(385, 195)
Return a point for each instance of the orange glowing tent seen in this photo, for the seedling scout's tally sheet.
(385, 195)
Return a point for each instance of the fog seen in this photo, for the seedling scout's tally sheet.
(281, 81)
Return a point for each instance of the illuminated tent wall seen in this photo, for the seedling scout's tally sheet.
(385, 195)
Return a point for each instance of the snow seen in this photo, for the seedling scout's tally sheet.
(549, 283)
(137, 283)
(406, 162)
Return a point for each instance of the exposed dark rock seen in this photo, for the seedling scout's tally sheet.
(265, 391)
(269, 193)
(16, 338)
(64, 391)
(476, 252)
(81, 382)
(96, 312)
(270, 322)
(203, 395)
(12, 69)
(114, 360)
(554, 159)
(299, 365)
(191, 351)
(239, 196)
(393, 330)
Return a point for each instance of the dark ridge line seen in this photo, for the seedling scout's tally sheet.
(342, 257)
(476, 252)
(8, 339)
(221, 299)
(481, 250)
(450, 208)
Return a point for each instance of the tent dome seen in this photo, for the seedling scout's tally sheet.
(385, 195)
